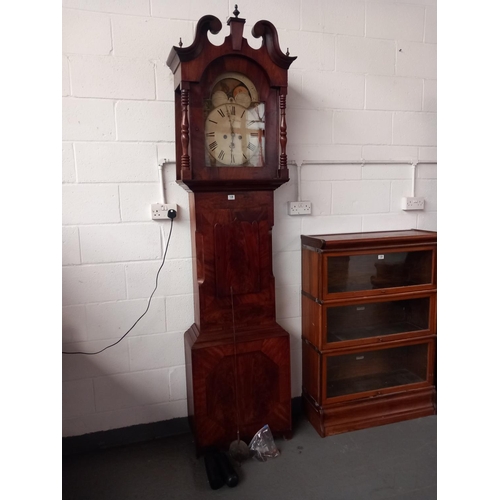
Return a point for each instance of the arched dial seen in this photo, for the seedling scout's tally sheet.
(234, 134)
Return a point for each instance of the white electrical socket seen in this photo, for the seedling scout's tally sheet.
(159, 211)
(413, 203)
(299, 208)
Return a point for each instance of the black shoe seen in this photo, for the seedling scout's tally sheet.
(228, 473)
(213, 469)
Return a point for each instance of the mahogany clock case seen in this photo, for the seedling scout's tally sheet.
(237, 356)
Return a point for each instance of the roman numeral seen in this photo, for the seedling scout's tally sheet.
(213, 145)
(232, 158)
(233, 110)
(251, 122)
(242, 113)
(210, 134)
(221, 113)
(251, 147)
(212, 121)
(221, 155)
(254, 134)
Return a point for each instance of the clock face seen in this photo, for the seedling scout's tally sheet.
(234, 124)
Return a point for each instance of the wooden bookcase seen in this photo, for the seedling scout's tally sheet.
(368, 328)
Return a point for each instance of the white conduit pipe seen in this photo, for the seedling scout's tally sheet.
(299, 163)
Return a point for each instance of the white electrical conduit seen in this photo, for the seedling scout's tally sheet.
(414, 164)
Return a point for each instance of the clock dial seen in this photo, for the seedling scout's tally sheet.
(234, 122)
(234, 135)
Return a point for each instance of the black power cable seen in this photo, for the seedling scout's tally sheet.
(172, 217)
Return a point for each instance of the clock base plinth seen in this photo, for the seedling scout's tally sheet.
(219, 402)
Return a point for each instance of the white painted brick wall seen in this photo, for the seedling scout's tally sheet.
(364, 86)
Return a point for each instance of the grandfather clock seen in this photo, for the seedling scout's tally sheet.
(231, 140)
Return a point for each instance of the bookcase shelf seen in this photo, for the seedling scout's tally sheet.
(368, 328)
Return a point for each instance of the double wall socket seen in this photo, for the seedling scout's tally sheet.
(299, 208)
(413, 203)
(159, 211)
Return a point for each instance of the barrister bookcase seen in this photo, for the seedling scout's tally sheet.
(368, 328)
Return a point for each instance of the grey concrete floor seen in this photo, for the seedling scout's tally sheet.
(396, 461)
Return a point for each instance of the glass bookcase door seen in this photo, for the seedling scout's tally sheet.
(377, 319)
(376, 370)
(373, 271)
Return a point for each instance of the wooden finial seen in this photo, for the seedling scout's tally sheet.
(287, 52)
(180, 42)
(236, 12)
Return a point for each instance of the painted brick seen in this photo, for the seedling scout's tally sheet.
(68, 163)
(180, 312)
(125, 417)
(339, 17)
(333, 90)
(89, 204)
(77, 398)
(179, 272)
(85, 33)
(404, 153)
(136, 200)
(416, 59)
(85, 284)
(314, 51)
(332, 224)
(178, 383)
(362, 127)
(426, 172)
(70, 246)
(191, 11)
(294, 327)
(112, 77)
(360, 197)
(320, 194)
(108, 362)
(132, 7)
(141, 279)
(145, 121)
(393, 93)
(430, 95)
(428, 189)
(149, 352)
(326, 152)
(164, 79)
(129, 390)
(427, 154)
(427, 221)
(387, 172)
(287, 269)
(330, 172)
(430, 25)
(88, 120)
(118, 243)
(390, 222)
(419, 129)
(365, 55)
(286, 235)
(73, 324)
(288, 301)
(66, 85)
(309, 126)
(399, 190)
(180, 240)
(149, 38)
(116, 162)
(395, 21)
(111, 320)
